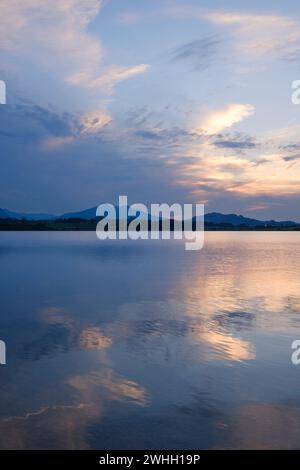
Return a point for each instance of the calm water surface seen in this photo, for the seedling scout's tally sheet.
(145, 345)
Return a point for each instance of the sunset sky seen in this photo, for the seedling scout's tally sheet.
(164, 101)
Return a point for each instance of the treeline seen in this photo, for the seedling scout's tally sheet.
(76, 224)
(57, 224)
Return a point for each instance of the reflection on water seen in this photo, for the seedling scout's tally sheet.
(145, 345)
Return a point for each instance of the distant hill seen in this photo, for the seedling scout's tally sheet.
(210, 218)
(3, 214)
(85, 214)
(6, 214)
(213, 217)
(91, 214)
(233, 219)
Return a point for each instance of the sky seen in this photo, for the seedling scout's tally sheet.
(162, 101)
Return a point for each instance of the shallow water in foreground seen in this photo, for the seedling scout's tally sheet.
(134, 345)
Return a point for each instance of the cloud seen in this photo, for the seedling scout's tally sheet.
(258, 207)
(76, 149)
(293, 150)
(95, 121)
(217, 120)
(291, 147)
(201, 51)
(149, 134)
(215, 174)
(110, 78)
(261, 35)
(31, 123)
(52, 37)
(52, 32)
(28, 123)
(291, 158)
(87, 125)
(236, 143)
(53, 143)
(254, 36)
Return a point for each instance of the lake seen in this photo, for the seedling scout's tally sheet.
(143, 345)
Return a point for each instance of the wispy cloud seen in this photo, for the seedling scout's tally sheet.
(53, 143)
(253, 36)
(200, 52)
(109, 78)
(235, 142)
(95, 121)
(260, 35)
(217, 120)
(87, 125)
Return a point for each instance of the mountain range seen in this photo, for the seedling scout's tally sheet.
(6, 214)
(87, 214)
